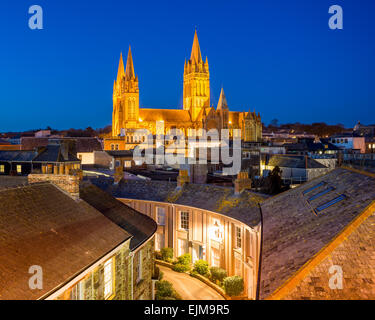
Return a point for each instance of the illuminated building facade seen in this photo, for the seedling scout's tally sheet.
(197, 111)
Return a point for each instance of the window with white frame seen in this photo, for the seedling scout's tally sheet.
(77, 292)
(238, 238)
(139, 266)
(160, 216)
(108, 278)
(184, 220)
(159, 241)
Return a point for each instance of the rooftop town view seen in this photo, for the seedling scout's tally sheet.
(203, 201)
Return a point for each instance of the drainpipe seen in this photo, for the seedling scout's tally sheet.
(260, 252)
(132, 274)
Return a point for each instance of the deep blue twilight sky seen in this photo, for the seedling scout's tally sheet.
(276, 56)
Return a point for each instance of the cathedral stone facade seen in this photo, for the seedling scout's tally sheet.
(197, 111)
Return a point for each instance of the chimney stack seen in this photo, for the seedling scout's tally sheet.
(242, 182)
(183, 177)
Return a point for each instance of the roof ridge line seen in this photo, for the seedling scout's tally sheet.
(363, 172)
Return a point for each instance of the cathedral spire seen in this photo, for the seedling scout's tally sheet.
(222, 104)
(196, 50)
(120, 71)
(129, 72)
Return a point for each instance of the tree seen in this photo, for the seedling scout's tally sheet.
(275, 181)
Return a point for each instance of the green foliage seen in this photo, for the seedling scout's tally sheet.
(179, 267)
(167, 254)
(201, 267)
(158, 255)
(157, 275)
(184, 259)
(165, 291)
(218, 274)
(233, 286)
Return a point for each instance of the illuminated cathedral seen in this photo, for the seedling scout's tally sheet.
(197, 111)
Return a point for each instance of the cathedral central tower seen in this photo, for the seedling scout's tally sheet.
(196, 82)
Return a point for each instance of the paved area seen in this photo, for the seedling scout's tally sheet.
(188, 287)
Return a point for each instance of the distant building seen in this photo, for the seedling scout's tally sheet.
(42, 133)
(197, 112)
(349, 143)
(43, 159)
(294, 169)
(312, 147)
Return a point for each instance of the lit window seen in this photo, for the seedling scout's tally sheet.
(238, 238)
(2, 168)
(159, 241)
(184, 220)
(160, 216)
(19, 168)
(108, 278)
(112, 147)
(77, 292)
(116, 147)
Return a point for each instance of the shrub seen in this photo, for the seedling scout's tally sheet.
(218, 274)
(201, 267)
(163, 289)
(158, 255)
(156, 274)
(184, 259)
(179, 267)
(166, 254)
(233, 286)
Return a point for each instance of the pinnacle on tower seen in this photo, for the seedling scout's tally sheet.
(120, 71)
(129, 72)
(196, 50)
(222, 104)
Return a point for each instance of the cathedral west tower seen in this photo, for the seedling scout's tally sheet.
(125, 97)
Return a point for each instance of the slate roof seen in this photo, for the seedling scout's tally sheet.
(40, 225)
(243, 207)
(15, 155)
(88, 145)
(50, 153)
(12, 181)
(293, 234)
(290, 161)
(140, 226)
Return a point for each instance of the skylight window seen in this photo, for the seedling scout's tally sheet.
(322, 193)
(330, 203)
(314, 187)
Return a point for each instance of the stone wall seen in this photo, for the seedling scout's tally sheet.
(92, 285)
(68, 183)
(143, 287)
